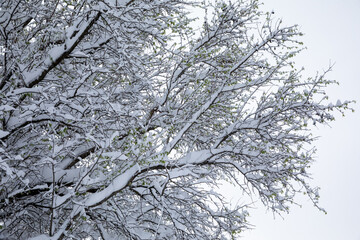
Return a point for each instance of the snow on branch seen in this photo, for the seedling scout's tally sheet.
(121, 119)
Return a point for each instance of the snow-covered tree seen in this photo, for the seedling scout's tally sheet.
(119, 120)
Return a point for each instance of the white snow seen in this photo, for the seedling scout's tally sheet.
(116, 185)
(3, 133)
(6, 108)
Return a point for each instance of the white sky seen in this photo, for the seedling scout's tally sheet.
(332, 33)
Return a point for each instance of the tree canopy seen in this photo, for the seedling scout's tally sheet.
(119, 118)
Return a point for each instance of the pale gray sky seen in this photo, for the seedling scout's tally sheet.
(332, 33)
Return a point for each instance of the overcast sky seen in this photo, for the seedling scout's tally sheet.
(332, 34)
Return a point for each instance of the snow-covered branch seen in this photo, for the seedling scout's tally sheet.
(118, 122)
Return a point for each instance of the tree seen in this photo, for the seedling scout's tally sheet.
(118, 121)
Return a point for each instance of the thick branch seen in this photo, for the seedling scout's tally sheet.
(39, 74)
